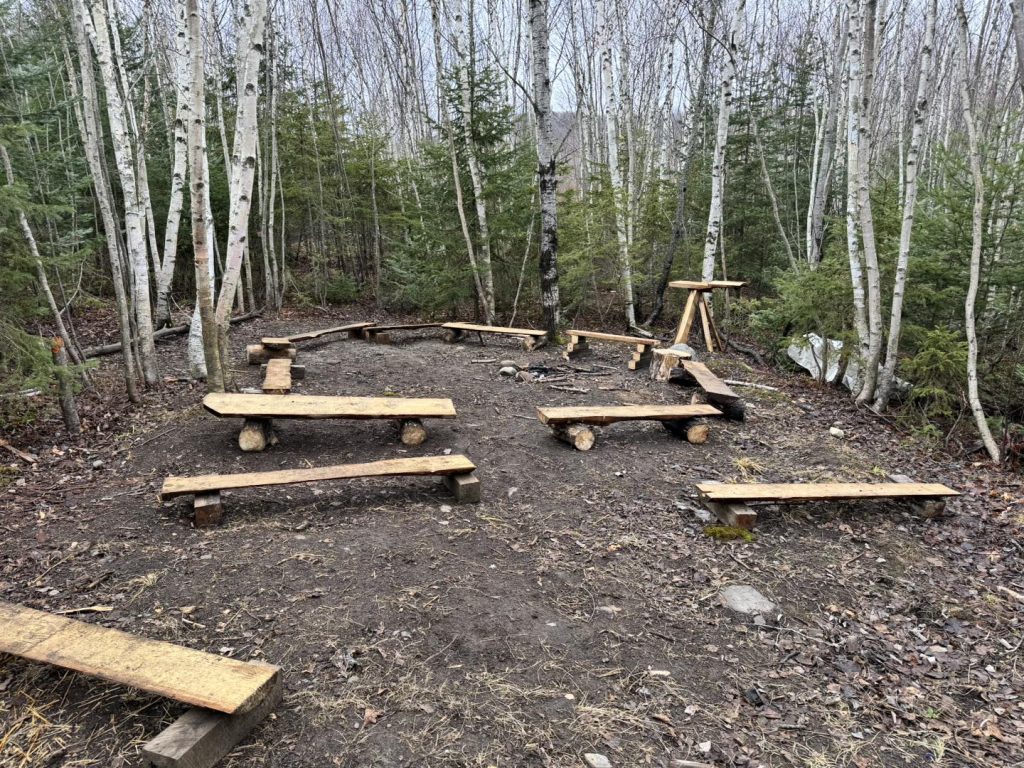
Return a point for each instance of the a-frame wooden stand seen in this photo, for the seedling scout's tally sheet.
(697, 301)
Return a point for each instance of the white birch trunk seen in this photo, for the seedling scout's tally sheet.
(725, 102)
(965, 79)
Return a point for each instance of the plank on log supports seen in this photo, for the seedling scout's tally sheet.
(465, 488)
(926, 508)
(579, 436)
(689, 430)
(735, 515)
(298, 371)
(412, 432)
(276, 342)
(256, 435)
(200, 738)
(257, 353)
(208, 509)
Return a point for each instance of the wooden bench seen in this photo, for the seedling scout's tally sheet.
(718, 393)
(259, 411)
(381, 334)
(240, 693)
(457, 472)
(271, 347)
(730, 502)
(641, 347)
(573, 425)
(531, 339)
(278, 378)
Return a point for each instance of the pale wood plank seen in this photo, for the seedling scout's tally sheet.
(278, 379)
(796, 492)
(402, 327)
(425, 465)
(276, 342)
(494, 329)
(614, 337)
(192, 677)
(326, 331)
(230, 404)
(609, 414)
(686, 322)
(705, 322)
(690, 285)
(709, 382)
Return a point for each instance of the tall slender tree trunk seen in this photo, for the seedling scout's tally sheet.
(725, 102)
(606, 37)
(212, 351)
(965, 79)
(547, 178)
(888, 373)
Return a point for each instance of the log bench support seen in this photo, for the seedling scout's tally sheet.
(208, 509)
(201, 737)
(531, 339)
(256, 435)
(258, 353)
(665, 362)
(690, 430)
(412, 432)
(579, 436)
(465, 488)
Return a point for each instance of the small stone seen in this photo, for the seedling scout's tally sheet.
(508, 370)
(744, 599)
(594, 760)
(98, 464)
(837, 433)
(611, 610)
(509, 364)
(526, 377)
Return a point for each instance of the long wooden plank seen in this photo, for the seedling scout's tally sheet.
(710, 383)
(276, 342)
(494, 329)
(192, 677)
(690, 285)
(403, 327)
(614, 337)
(230, 404)
(609, 414)
(795, 492)
(326, 331)
(425, 465)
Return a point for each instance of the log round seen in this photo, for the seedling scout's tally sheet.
(413, 432)
(256, 434)
(579, 436)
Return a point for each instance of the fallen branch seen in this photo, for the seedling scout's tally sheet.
(734, 383)
(113, 349)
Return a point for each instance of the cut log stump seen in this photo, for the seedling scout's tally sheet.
(208, 508)
(412, 432)
(688, 430)
(256, 435)
(465, 488)
(579, 436)
(200, 738)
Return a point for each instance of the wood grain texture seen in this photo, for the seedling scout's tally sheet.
(230, 404)
(185, 675)
(614, 337)
(327, 331)
(494, 329)
(795, 492)
(709, 382)
(694, 285)
(425, 465)
(609, 414)
(276, 342)
(278, 378)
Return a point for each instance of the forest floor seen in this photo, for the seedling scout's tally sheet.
(574, 610)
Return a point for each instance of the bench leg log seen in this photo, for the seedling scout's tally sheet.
(208, 509)
(377, 338)
(530, 343)
(735, 514)
(256, 435)
(257, 353)
(641, 357)
(412, 432)
(453, 335)
(689, 430)
(579, 436)
(465, 488)
(575, 348)
(201, 737)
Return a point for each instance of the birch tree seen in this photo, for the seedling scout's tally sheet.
(977, 222)
(725, 103)
(547, 178)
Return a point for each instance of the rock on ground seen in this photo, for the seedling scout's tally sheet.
(744, 599)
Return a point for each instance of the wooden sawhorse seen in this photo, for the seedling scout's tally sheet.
(697, 301)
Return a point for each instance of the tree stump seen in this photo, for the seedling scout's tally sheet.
(579, 436)
(688, 430)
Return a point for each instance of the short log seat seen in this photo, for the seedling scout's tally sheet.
(231, 696)
(575, 425)
(259, 410)
(642, 347)
(667, 359)
(730, 502)
(457, 472)
(381, 334)
(278, 378)
(531, 338)
(717, 392)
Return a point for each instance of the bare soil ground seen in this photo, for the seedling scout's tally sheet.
(574, 610)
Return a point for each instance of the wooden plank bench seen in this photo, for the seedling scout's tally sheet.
(381, 334)
(531, 338)
(259, 411)
(271, 347)
(241, 693)
(718, 393)
(642, 347)
(354, 331)
(574, 425)
(457, 472)
(730, 501)
(278, 379)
